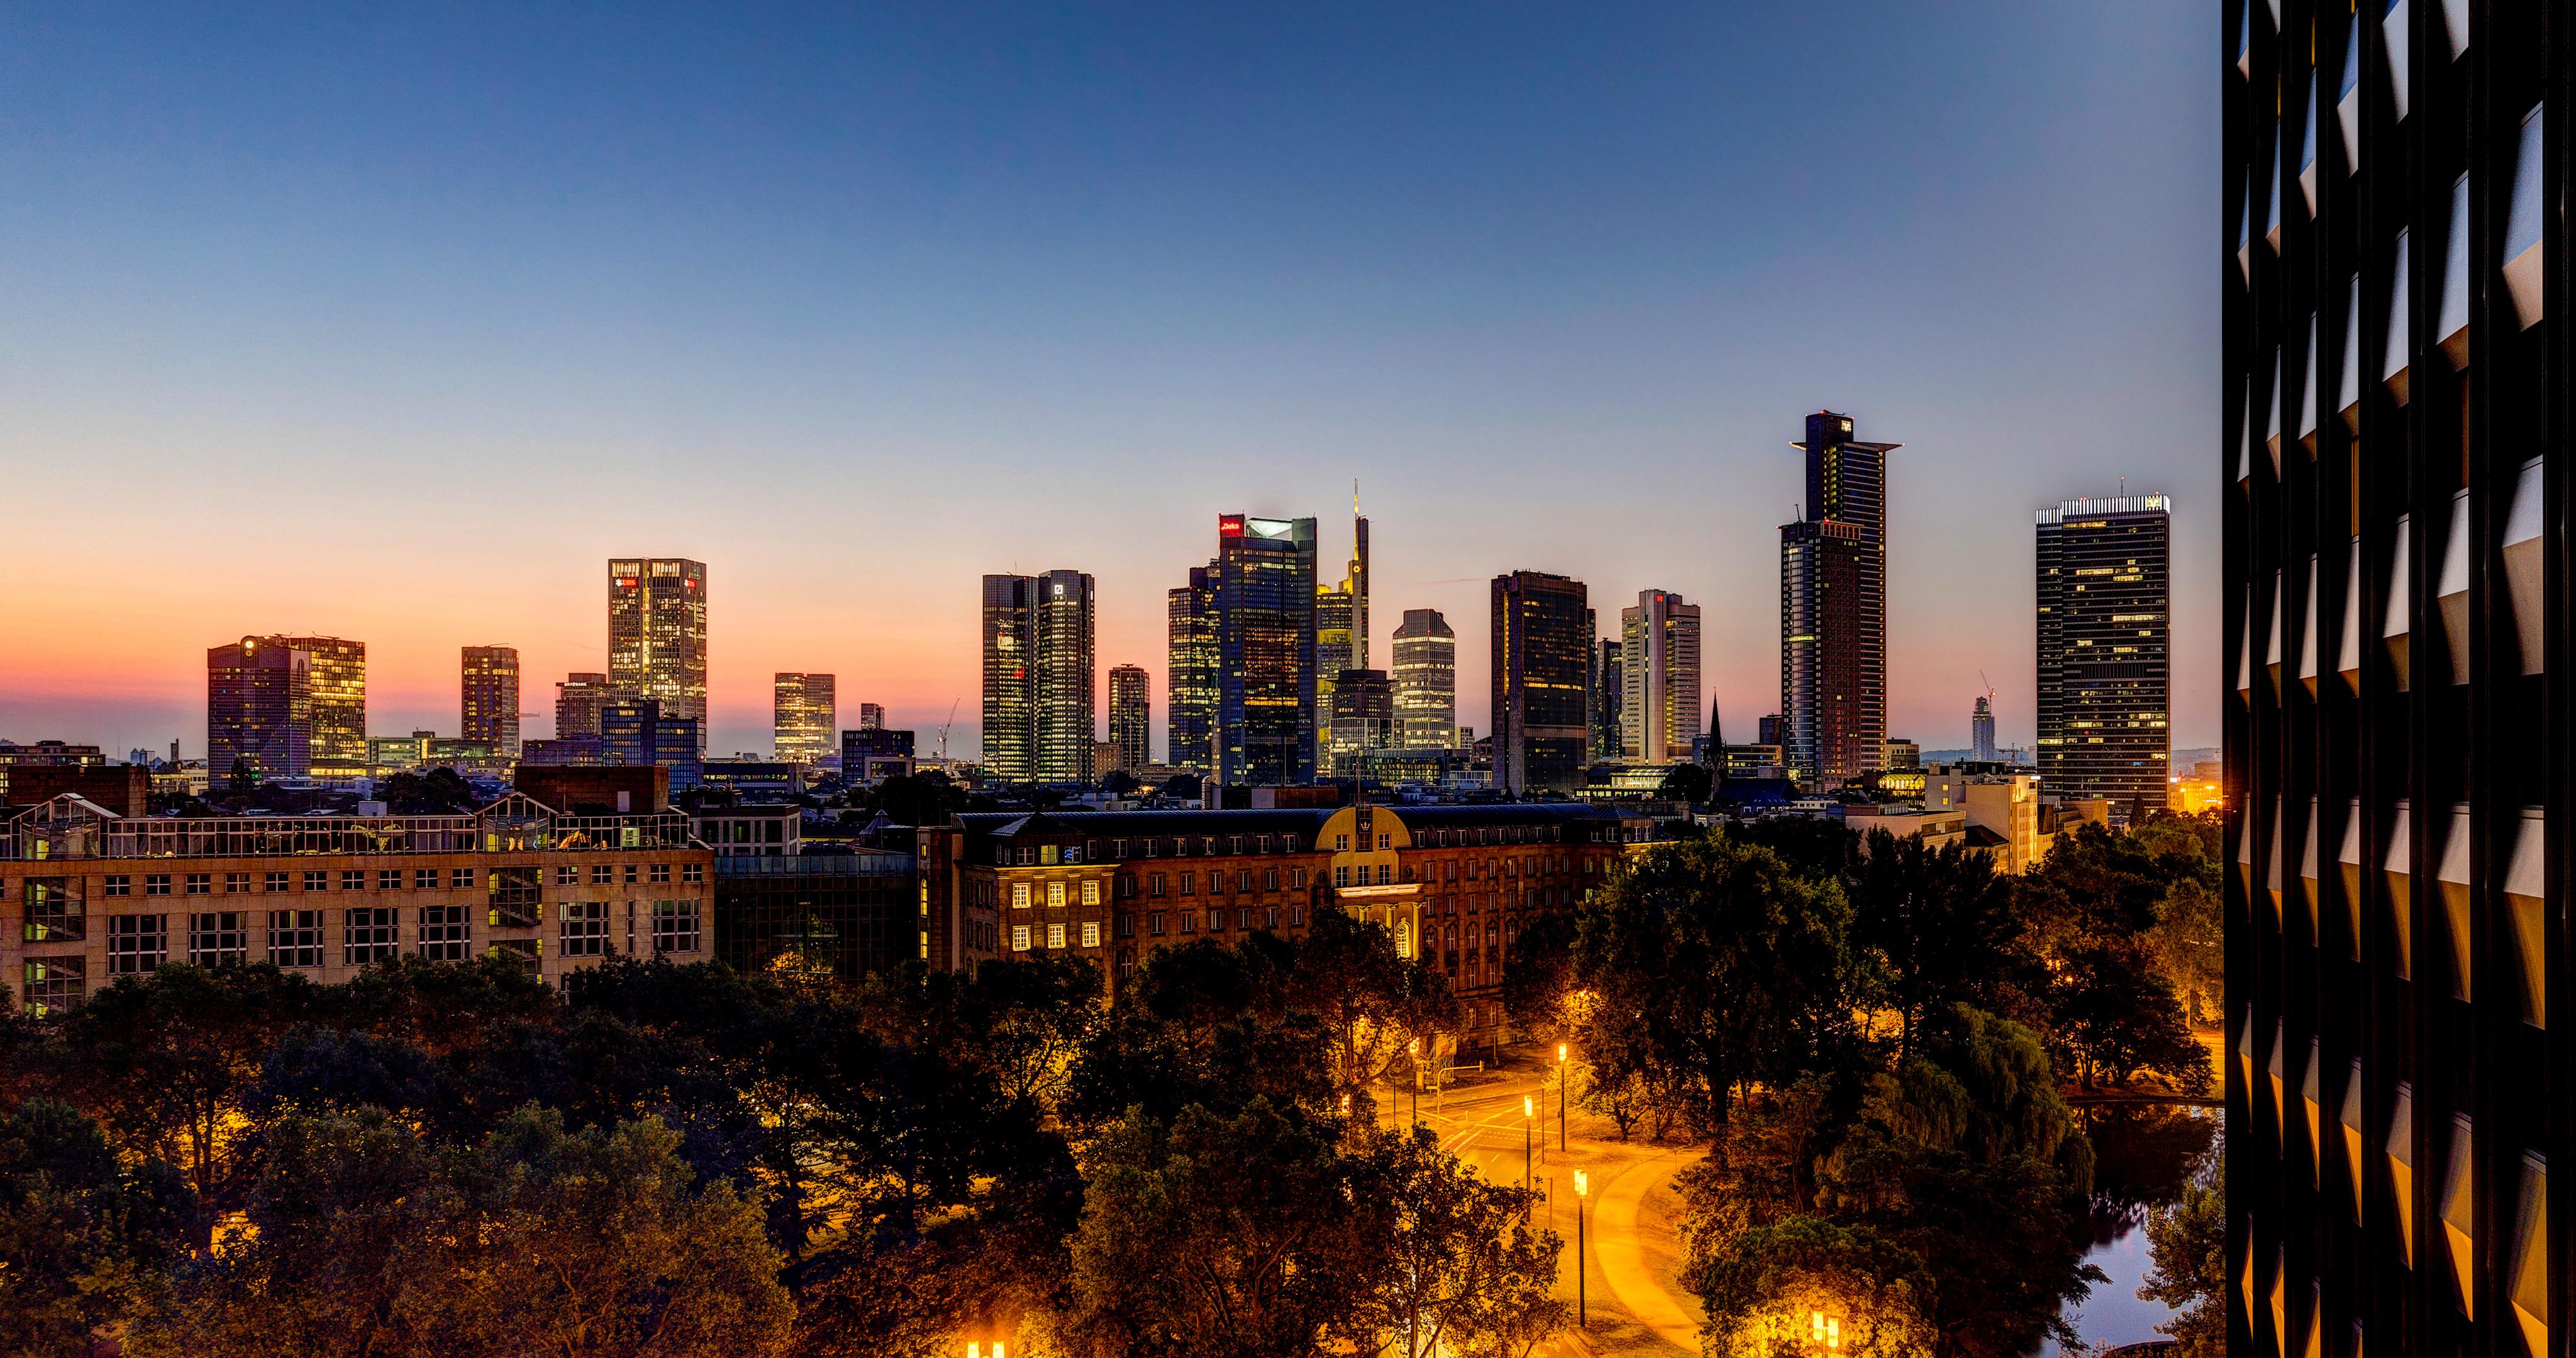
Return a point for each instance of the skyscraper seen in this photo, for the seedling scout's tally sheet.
(2104, 663)
(577, 702)
(1426, 681)
(657, 635)
(1833, 609)
(1010, 626)
(1981, 731)
(1609, 695)
(1363, 720)
(2395, 716)
(1041, 714)
(1265, 636)
(1189, 676)
(645, 733)
(1067, 707)
(805, 715)
(339, 688)
(490, 699)
(1659, 664)
(871, 717)
(259, 710)
(1542, 660)
(1131, 715)
(1341, 617)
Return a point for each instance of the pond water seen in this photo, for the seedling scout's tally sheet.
(2143, 1154)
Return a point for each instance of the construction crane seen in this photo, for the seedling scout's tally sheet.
(943, 731)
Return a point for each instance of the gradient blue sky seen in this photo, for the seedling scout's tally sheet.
(397, 322)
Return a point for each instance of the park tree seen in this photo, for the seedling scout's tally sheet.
(1375, 1002)
(82, 1236)
(1774, 1293)
(1729, 967)
(2190, 948)
(1461, 1270)
(2187, 1243)
(1941, 922)
(1233, 1237)
(433, 792)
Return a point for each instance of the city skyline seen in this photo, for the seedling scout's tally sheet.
(993, 360)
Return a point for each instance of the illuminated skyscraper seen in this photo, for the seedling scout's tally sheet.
(1131, 715)
(1659, 667)
(1265, 615)
(2105, 689)
(577, 702)
(1542, 667)
(1067, 710)
(259, 710)
(1608, 696)
(1981, 731)
(871, 717)
(1189, 676)
(1833, 609)
(1363, 720)
(1426, 681)
(805, 718)
(657, 636)
(490, 700)
(1010, 624)
(339, 688)
(1341, 617)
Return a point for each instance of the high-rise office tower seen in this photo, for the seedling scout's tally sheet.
(1363, 720)
(1341, 617)
(577, 702)
(2395, 717)
(1265, 636)
(259, 710)
(871, 717)
(1981, 731)
(339, 687)
(1833, 609)
(1426, 681)
(805, 717)
(1542, 660)
(2105, 693)
(490, 699)
(1010, 624)
(1659, 664)
(657, 635)
(1131, 715)
(1068, 705)
(1041, 717)
(645, 733)
(1609, 694)
(1189, 676)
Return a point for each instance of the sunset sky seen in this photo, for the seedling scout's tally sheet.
(396, 323)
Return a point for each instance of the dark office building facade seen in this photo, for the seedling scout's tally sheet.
(1833, 609)
(1542, 678)
(1265, 636)
(2105, 670)
(2395, 566)
(1189, 674)
(844, 916)
(259, 710)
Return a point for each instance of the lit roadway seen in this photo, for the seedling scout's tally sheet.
(1636, 1305)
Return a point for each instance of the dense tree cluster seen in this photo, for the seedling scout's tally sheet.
(659, 1159)
(1870, 1035)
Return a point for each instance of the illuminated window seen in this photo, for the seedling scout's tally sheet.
(1019, 938)
(1091, 893)
(1055, 935)
(1091, 933)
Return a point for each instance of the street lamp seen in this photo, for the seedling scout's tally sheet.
(1826, 1331)
(1560, 1096)
(1528, 1112)
(1413, 1063)
(1582, 1190)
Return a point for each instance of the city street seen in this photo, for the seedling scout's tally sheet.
(1632, 1248)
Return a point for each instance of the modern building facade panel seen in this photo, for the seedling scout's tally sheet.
(1010, 644)
(489, 699)
(2394, 624)
(339, 687)
(2104, 595)
(1426, 681)
(1067, 713)
(578, 699)
(1542, 658)
(657, 635)
(805, 717)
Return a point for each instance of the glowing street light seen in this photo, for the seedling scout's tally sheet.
(1413, 1063)
(1826, 1331)
(1529, 1113)
(1582, 1190)
(1560, 1096)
